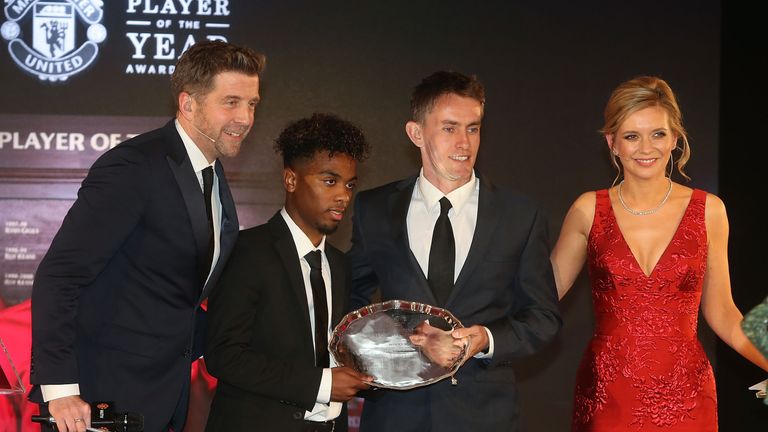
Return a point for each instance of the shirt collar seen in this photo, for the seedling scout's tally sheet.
(458, 197)
(303, 243)
(196, 156)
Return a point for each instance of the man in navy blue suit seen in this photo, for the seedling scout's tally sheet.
(116, 301)
(450, 238)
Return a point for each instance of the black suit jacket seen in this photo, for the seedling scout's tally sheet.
(506, 284)
(259, 342)
(115, 302)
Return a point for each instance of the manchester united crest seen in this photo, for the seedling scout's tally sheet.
(43, 36)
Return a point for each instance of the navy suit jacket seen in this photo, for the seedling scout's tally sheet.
(116, 300)
(259, 342)
(506, 284)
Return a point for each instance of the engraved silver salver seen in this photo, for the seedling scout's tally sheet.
(401, 344)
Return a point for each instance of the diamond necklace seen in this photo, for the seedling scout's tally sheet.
(649, 211)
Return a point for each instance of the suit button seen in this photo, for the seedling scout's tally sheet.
(298, 415)
(187, 353)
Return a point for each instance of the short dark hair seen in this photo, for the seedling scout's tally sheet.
(321, 132)
(197, 67)
(439, 83)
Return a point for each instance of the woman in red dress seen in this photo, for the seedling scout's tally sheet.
(656, 250)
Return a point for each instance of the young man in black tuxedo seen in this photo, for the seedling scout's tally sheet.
(283, 291)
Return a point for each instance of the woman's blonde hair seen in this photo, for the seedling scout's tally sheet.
(640, 93)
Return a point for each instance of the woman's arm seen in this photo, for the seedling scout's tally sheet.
(570, 252)
(717, 304)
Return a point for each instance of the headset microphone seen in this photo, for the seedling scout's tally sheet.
(201, 132)
(186, 107)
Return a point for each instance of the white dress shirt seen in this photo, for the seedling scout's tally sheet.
(199, 162)
(423, 212)
(324, 409)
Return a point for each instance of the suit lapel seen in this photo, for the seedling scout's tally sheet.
(399, 202)
(286, 249)
(180, 165)
(487, 219)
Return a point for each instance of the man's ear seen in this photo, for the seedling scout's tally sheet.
(413, 129)
(289, 179)
(185, 103)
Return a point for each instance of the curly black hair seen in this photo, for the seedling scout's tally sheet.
(321, 132)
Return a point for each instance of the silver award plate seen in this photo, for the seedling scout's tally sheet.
(401, 344)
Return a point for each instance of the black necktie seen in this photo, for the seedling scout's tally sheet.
(442, 255)
(315, 259)
(207, 190)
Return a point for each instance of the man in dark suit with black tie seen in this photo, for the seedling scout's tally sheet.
(116, 301)
(283, 290)
(450, 238)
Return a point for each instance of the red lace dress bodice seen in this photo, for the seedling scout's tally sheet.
(644, 369)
